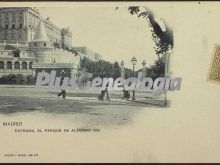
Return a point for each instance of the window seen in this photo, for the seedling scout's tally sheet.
(16, 53)
(30, 65)
(35, 44)
(45, 44)
(6, 26)
(24, 65)
(17, 65)
(6, 35)
(1, 65)
(13, 26)
(9, 65)
(19, 36)
(20, 26)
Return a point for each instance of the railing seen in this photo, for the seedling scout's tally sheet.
(16, 71)
(3, 42)
(53, 65)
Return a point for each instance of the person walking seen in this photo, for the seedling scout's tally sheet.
(63, 91)
(104, 94)
(126, 94)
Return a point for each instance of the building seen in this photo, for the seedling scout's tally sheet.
(29, 43)
(20, 24)
(38, 54)
(88, 53)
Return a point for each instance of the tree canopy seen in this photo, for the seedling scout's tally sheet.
(163, 39)
(107, 69)
(101, 68)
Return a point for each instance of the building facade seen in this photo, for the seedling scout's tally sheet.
(29, 42)
(20, 24)
(15, 59)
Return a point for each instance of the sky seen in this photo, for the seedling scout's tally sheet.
(115, 34)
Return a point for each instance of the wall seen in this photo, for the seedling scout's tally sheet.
(22, 23)
(63, 56)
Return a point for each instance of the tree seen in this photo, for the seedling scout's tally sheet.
(16, 79)
(163, 39)
(101, 68)
(20, 79)
(128, 73)
(157, 69)
(116, 70)
(30, 79)
(56, 45)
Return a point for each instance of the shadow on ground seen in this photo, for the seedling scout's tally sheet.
(86, 111)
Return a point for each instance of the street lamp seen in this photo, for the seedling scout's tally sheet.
(133, 62)
(122, 64)
(122, 69)
(144, 64)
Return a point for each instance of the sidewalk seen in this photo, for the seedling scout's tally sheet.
(16, 86)
(78, 95)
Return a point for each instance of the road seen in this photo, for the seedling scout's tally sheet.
(78, 107)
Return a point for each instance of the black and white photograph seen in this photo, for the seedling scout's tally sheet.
(39, 44)
(109, 82)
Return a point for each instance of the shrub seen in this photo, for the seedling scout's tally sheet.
(20, 79)
(17, 79)
(30, 79)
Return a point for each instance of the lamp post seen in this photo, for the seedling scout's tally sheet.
(122, 69)
(144, 69)
(122, 64)
(144, 64)
(133, 62)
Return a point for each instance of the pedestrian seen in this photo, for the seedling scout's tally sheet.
(104, 94)
(63, 91)
(101, 96)
(126, 94)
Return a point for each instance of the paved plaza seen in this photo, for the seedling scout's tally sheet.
(83, 108)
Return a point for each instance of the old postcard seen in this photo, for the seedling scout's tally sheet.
(109, 82)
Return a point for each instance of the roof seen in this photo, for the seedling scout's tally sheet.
(40, 34)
